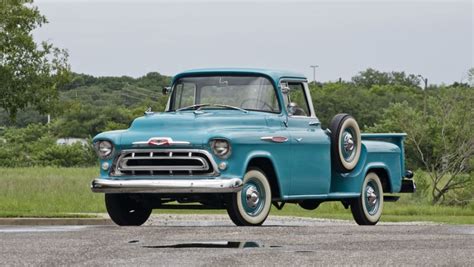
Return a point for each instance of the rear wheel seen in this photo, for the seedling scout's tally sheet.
(126, 209)
(251, 205)
(367, 209)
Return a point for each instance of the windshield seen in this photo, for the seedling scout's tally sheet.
(224, 92)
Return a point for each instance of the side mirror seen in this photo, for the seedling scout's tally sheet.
(285, 88)
(166, 90)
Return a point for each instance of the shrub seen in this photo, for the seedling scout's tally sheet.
(35, 145)
(74, 155)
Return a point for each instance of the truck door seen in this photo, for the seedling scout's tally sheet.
(310, 146)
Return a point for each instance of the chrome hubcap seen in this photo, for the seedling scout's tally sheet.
(348, 143)
(252, 196)
(371, 196)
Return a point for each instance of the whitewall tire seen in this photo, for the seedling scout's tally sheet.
(251, 205)
(367, 209)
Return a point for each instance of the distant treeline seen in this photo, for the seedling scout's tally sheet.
(89, 105)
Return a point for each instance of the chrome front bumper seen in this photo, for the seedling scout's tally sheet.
(167, 186)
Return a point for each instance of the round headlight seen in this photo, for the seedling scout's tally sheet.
(221, 148)
(104, 149)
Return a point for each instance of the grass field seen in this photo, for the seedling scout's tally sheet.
(65, 192)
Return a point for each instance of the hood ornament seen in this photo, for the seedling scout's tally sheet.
(161, 141)
(149, 111)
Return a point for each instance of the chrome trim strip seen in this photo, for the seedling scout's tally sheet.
(167, 186)
(117, 168)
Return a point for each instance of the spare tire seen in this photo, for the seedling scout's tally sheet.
(345, 142)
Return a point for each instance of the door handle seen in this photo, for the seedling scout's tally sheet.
(314, 123)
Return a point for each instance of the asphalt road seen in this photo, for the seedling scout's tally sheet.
(212, 240)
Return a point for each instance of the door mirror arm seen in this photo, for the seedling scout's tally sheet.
(166, 90)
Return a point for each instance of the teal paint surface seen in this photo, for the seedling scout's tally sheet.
(302, 164)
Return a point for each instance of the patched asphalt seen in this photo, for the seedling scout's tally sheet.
(199, 240)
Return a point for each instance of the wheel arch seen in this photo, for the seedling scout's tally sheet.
(265, 163)
(384, 175)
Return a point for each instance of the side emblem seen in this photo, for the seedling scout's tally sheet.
(274, 139)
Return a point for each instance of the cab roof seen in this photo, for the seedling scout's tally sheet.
(275, 75)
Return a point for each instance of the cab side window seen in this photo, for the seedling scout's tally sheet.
(295, 99)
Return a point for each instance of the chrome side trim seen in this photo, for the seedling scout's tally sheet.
(167, 186)
(275, 139)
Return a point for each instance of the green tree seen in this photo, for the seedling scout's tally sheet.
(441, 140)
(370, 77)
(365, 104)
(29, 73)
(35, 145)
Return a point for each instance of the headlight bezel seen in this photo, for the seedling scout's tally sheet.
(218, 147)
(101, 149)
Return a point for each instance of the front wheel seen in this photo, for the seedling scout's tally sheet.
(127, 210)
(251, 205)
(367, 209)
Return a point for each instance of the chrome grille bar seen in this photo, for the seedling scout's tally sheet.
(164, 162)
(202, 167)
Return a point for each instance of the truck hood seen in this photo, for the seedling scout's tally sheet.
(191, 127)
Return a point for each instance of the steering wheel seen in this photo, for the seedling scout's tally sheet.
(293, 109)
(263, 106)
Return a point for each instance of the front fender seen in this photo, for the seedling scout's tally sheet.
(281, 171)
(112, 136)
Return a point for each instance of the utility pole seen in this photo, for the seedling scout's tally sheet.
(425, 80)
(49, 114)
(314, 72)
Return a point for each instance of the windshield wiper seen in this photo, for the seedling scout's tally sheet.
(199, 106)
(227, 106)
(192, 107)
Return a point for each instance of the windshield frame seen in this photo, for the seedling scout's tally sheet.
(280, 110)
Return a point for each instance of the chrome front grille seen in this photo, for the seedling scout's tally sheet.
(160, 162)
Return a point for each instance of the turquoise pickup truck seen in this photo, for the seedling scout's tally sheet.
(244, 140)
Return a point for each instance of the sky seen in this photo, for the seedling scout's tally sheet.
(115, 38)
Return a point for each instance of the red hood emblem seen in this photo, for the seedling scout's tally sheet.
(161, 141)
